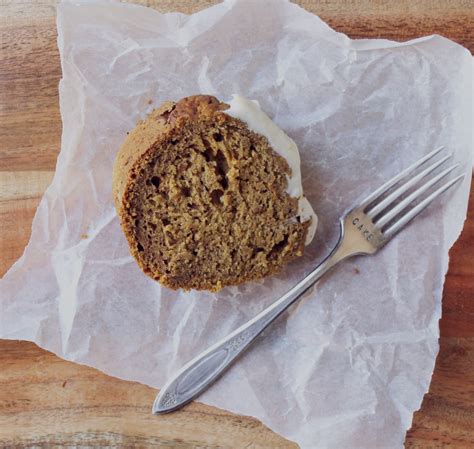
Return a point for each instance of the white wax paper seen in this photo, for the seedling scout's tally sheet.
(346, 367)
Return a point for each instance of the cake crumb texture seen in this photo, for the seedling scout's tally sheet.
(202, 199)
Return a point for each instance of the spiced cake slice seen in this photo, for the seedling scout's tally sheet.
(209, 194)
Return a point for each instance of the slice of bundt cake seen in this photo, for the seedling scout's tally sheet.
(209, 194)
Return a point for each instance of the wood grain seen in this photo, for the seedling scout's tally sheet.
(45, 401)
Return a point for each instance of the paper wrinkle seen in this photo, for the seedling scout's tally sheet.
(345, 367)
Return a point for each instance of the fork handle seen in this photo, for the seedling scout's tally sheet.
(203, 370)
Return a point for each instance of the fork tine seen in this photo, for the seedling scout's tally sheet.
(395, 179)
(397, 226)
(379, 207)
(392, 213)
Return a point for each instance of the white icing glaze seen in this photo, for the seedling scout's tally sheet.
(250, 113)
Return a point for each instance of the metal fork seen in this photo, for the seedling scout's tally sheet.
(364, 230)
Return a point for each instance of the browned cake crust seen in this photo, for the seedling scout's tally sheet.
(202, 200)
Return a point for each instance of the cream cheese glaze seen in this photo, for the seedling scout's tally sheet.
(250, 113)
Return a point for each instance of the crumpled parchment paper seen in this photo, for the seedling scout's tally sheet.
(346, 367)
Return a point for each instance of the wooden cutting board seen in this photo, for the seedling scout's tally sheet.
(45, 401)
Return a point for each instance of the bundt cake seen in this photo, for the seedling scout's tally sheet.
(209, 194)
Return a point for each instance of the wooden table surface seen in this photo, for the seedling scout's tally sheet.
(45, 401)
